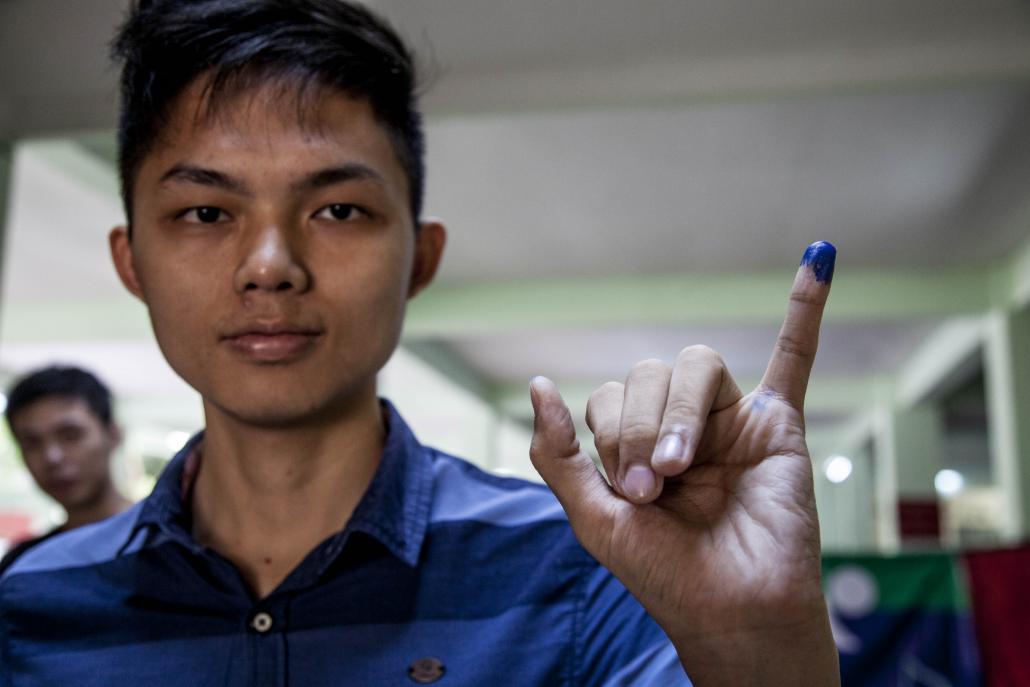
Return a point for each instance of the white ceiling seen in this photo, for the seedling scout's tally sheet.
(590, 138)
(888, 177)
(543, 54)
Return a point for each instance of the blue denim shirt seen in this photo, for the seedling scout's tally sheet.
(444, 575)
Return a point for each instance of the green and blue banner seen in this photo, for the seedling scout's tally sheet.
(902, 621)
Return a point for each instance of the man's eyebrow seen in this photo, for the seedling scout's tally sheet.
(352, 171)
(205, 177)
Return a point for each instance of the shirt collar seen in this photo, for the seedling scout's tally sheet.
(394, 509)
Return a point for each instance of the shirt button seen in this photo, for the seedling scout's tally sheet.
(425, 671)
(261, 622)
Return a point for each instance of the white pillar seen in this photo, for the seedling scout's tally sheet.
(906, 449)
(1007, 382)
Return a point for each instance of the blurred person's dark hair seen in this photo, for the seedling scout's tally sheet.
(63, 382)
(166, 45)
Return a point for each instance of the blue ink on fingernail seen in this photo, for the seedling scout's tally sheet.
(821, 256)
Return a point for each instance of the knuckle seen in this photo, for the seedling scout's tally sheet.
(603, 403)
(604, 391)
(805, 299)
(607, 443)
(795, 347)
(678, 410)
(536, 451)
(700, 354)
(636, 434)
(648, 367)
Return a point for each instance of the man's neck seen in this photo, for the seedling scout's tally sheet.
(265, 497)
(109, 503)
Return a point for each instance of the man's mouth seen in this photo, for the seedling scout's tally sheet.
(61, 485)
(272, 345)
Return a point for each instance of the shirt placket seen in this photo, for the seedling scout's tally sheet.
(267, 642)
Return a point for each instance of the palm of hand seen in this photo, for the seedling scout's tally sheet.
(738, 531)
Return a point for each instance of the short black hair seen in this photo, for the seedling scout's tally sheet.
(166, 45)
(63, 382)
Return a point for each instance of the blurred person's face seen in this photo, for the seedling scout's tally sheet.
(66, 448)
(275, 252)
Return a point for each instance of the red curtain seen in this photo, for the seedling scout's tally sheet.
(1000, 589)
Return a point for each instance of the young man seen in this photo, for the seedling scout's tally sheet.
(271, 157)
(60, 418)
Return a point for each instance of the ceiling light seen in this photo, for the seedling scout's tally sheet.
(948, 482)
(837, 468)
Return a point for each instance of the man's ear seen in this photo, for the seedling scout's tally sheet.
(114, 431)
(429, 245)
(121, 254)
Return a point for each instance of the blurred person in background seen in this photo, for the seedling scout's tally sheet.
(61, 419)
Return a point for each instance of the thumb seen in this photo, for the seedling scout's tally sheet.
(556, 455)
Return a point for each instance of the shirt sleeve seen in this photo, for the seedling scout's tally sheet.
(5, 672)
(16, 551)
(618, 643)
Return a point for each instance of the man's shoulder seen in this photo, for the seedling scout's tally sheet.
(84, 546)
(20, 548)
(465, 492)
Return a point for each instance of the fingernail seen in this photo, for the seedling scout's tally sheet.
(639, 481)
(670, 449)
(821, 256)
(535, 384)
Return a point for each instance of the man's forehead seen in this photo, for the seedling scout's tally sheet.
(246, 110)
(53, 409)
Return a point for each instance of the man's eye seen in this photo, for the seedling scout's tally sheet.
(203, 215)
(340, 212)
(69, 434)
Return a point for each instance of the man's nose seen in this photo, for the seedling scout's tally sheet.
(271, 262)
(53, 454)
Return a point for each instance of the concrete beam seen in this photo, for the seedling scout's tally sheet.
(946, 359)
(119, 318)
(695, 299)
(692, 79)
(1011, 284)
(76, 161)
(451, 366)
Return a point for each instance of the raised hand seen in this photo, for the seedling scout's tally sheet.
(710, 517)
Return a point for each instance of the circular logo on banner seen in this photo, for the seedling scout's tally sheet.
(852, 591)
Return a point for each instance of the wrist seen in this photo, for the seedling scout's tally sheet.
(797, 654)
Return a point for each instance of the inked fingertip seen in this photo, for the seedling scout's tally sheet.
(821, 257)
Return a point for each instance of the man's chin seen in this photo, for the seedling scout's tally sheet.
(277, 417)
(285, 413)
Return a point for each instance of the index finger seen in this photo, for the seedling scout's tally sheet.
(791, 362)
